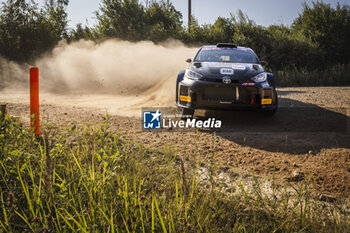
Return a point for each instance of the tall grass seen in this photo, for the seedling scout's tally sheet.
(90, 180)
(333, 76)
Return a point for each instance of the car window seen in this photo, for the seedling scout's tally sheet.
(226, 55)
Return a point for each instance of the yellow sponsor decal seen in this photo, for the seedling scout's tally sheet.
(266, 101)
(185, 98)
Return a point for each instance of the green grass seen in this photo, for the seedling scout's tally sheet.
(90, 180)
(336, 75)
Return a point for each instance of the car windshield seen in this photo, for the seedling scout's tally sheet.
(226, 55)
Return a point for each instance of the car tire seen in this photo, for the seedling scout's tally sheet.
(270, 113)
(185, 112)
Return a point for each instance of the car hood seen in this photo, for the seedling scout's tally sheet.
(220, 69)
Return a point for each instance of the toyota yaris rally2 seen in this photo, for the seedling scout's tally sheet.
(225, 77)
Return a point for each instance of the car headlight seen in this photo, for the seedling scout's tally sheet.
(192, 75)
(260, 77)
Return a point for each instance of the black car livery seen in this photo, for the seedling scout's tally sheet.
(225, 76)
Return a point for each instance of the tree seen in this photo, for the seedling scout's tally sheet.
(248, 34)
(17, 20)
(26, 32)
(198, 34)
(163, 21)
(81, 32)
(222, 30)
(124, 19)
(56, 18)
(130, 20)
(290, 51)
(281, 47)
(328, 28)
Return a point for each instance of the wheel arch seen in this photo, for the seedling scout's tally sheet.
(271, 80)
(179, 78)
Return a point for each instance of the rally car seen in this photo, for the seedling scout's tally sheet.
(225, 76)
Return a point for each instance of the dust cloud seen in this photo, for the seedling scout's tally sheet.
(118, 76)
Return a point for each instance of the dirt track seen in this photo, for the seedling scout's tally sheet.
(310, 133)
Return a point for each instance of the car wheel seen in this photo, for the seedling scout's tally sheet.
(185, 112)
(270, 113)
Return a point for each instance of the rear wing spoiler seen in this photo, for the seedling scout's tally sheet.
(226, 45)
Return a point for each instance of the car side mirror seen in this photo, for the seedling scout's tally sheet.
(189, 60)
(263, 63)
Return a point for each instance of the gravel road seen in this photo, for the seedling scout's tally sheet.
(309, 134)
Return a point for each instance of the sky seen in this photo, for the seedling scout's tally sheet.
(263, 12)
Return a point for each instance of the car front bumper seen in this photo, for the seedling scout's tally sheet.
(206, 95)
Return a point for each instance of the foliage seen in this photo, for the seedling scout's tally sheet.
(124, 19)
(276, 44)
(163, 21)
(196, 34)
(130, 20)
(81, 32)
(328, 28)
(91, 180)
(333, 76)
(317, 40)
(221, 31)
(26, 31)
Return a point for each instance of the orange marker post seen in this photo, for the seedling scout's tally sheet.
(34, 99)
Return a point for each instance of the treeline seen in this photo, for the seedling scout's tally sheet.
(27, 31)
(318, 39)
